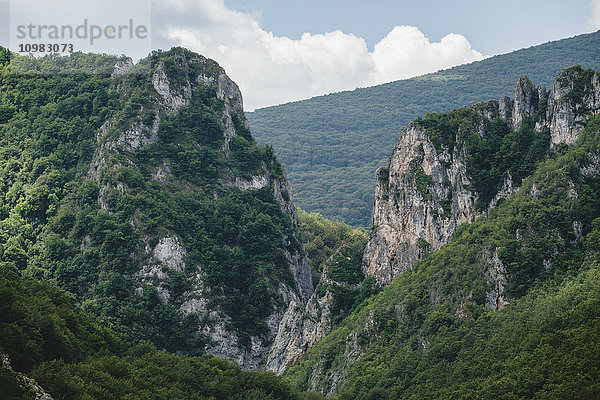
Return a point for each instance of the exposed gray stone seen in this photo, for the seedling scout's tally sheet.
(303, 325)
(405, 219)
(122, 67)
(525, 103)
(496, 277)
(27, 382)
(564, 118)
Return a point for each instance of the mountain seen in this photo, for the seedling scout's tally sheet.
(140, 190)
(448, 169)
(332, 145)
(143, 232)
(487, 245)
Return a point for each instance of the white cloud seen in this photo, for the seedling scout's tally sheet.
(594, 20)
(271, 70)
(406, 52)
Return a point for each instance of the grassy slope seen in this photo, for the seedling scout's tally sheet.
(332, 145)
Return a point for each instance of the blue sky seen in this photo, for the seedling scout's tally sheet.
(492, 27)
(281, 51)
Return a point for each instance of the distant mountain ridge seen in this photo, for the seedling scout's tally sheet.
(331, 149)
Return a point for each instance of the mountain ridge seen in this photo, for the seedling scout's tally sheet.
(144, 193)
(341, 135)
(451, 168)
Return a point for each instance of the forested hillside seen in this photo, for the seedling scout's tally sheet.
(510, 307)
(45, 335)
(322, 238)
(140, 190)
(144, 232)
(332, 145)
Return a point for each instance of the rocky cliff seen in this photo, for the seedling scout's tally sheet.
(536, 198)
(429, 187)
(170, 254)
(425, 193)
(303, 325)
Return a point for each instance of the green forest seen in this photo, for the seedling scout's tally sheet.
(331, 145)
(104, 337)
(97, 170)
(72, 356)
(430, 335)
(322, 238)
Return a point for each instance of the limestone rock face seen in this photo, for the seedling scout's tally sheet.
(526, 101)
(424, 194)
(575, 96)
(300, 328)
(409, 220)
(304, 324)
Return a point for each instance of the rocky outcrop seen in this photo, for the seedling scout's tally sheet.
(166, 256)
(424, 194)
(496, 277)
(26, 382)
(303, 325)
(300, 328)
(527, 101)
(575, 96)
(122, 67)
(409, 218)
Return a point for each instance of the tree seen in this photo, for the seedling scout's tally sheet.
(5, 56)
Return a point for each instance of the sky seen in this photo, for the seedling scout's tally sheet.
(281, 51)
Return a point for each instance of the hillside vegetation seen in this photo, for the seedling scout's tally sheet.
(72, 356)
(332, 145)
(322, 238)
(429, 335)
(89, 235)
(122, 197)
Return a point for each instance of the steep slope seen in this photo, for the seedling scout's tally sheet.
(44, 334)
(332, 145)
(142, 192)
(38, 323)
(509, 306)
(342, 287)
(448, 169)
(334, 251)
